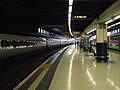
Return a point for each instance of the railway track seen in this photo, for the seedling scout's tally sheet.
(13, 73)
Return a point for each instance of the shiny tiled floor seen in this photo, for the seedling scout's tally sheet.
(79, 71)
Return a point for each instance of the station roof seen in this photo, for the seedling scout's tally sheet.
(25, 16)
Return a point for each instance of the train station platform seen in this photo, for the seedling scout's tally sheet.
(76, 70)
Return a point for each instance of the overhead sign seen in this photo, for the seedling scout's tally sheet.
(76, 17)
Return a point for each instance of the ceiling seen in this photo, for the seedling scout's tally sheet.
(25, 16)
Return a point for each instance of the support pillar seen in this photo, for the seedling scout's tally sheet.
(101, 44)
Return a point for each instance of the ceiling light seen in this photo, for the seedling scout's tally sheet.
(69, 16)
(109, 21)
(70, 9)
(117, 17)
(117, 23)
(109, 27)
(70, 2)
(92, 30)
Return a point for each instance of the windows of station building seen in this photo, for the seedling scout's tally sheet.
(42, 31)
(45, 32)
(52, 34)
(39, 30)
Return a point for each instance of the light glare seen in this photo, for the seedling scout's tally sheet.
(70, 9)
(117, 17)
(70, 2)
(109, 21)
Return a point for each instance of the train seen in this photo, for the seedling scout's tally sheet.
(13, 45)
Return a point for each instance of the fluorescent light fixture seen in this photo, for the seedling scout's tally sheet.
(113, 25)
(109, 21)
(71, 32)
(109, 27)
(69, 25)
(69, 16)
(70, 2)
(70, 9)
(117, 17)
(117, 23)
(92, 30)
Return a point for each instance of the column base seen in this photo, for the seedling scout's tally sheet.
(101, 58)
(101, 52)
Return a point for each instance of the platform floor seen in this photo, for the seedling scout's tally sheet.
(78, 70)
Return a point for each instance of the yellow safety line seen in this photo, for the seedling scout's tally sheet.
(46, 66)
